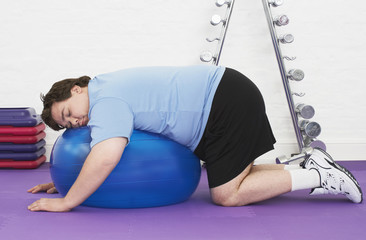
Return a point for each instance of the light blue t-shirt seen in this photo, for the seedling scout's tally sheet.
(172, 101)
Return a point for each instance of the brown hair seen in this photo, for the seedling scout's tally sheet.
(59, 91)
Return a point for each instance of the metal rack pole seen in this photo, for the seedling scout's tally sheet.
(283, 72)
(223, 33)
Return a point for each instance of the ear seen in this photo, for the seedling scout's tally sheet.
(76, 89)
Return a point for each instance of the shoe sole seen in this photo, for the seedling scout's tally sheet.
(340, 168)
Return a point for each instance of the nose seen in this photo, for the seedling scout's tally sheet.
(74, 122)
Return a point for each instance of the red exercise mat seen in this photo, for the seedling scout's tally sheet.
(22, 139)
(23, 164)
(22, 131)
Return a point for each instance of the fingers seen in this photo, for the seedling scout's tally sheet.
(36, 206)
(47, 187)
(50, 205)
(35, 189)
(52, 190)
(39, 205)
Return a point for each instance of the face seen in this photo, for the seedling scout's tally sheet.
(72, 112)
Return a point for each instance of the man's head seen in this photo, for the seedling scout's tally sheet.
(66, 105)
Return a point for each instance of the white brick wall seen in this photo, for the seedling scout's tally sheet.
(43, 41)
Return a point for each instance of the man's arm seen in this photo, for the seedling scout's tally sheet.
(100, 162)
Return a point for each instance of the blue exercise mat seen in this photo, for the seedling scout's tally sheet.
(22, 156)
(20, 148)
(19, 117)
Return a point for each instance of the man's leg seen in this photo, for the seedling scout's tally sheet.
(300, 178)
(261, 182)
(252, 186)
(258, 183)
(274, 166)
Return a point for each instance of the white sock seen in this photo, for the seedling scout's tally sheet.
(304, 179)
(292, 166)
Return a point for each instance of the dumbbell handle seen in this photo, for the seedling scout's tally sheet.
(305, 152)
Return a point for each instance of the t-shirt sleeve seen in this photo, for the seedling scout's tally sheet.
(108, 118)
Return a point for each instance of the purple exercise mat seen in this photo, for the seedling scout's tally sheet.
(14, 148)
(291, 216)
(19, 117)
(22, 156)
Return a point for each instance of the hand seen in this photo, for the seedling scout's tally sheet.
(47, 187)
(50, 205)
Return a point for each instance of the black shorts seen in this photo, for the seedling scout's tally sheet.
(237, 130)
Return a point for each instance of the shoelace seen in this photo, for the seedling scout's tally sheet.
(332, 186)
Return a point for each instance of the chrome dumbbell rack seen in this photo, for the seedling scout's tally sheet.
(306, 131)
(208, 56)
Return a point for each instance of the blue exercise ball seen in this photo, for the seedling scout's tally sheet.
(153, 170)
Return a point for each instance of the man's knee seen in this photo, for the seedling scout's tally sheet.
(228, 194)
(226, 200)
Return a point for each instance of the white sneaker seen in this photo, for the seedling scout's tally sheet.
(334, 179)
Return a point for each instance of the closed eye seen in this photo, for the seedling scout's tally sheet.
(69, 125)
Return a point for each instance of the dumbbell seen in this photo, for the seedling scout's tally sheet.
(305, 111)
(310, 129)
(216, 20)
(275, 3)
(286, 38)
(206, 56)
(281, 20)
(221, 3)
(296, 74)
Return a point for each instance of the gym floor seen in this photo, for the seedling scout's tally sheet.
(290, 216)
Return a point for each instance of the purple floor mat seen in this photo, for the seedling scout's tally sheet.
(22, 156)
(19, 117)
(290, 216)
(20, 148)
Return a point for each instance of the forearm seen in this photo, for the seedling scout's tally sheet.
(90, 178)
(99, 164)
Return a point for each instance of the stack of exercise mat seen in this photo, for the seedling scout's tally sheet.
(21, 138)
